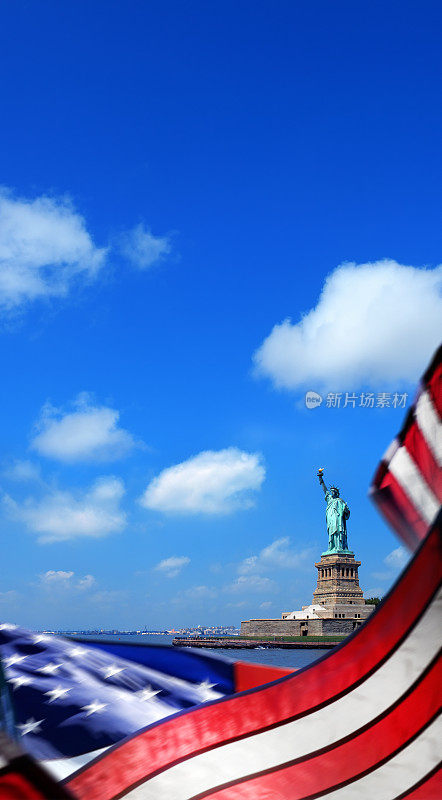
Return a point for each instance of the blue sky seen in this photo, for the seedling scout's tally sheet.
(178, 179)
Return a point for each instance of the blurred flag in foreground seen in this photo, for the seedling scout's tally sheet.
(72, 701)
(407, 486)
(21, 778)
(360, 723)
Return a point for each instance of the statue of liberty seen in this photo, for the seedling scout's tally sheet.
(337, 513)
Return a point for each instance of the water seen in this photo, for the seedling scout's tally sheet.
(273, 657)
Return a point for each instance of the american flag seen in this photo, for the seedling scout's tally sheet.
(407, 486)
(361, 723)
(73, 701)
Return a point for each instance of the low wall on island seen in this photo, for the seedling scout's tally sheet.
(225, 643)
(296, 627)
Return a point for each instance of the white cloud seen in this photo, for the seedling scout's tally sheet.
(90, 433)
(63, 515)
(250, 564)
(86, 582)
(171, 567)
(65, 579)
(266, 604)
(109, 597)
(209, 483)
(199, 593)
(193, 594)
(375, 324)
(57, 577)
(277, 554)
(395, 562)
(9, 597)
(397, 559)
(251, 583)
(374, 591)
(44, 248)
(142, 248)
(22, 471)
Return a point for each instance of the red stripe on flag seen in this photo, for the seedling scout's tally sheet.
(433, 382)
(399, 510)
(429, 789)
(14, 786)
(343, 763)
(390, 497)
(22, 778)
(423, 457)
(248, 676)
(172, 741)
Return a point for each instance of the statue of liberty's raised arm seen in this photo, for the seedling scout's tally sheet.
(336, 514)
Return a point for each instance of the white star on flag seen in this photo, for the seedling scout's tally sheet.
(206, 689)
(111, 670)
(30, 726)
(50, 668)
(93, 707)
(147, 693)
(8, 662)
(77, 651)
(54, 694)
(21, 680)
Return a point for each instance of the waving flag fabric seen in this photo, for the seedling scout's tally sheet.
(73, 701)
(361, 723)
(408, 483)
(21, 778)
(361, 718)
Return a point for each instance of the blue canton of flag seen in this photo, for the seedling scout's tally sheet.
(73, 700)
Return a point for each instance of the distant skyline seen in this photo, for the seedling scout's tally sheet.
(142, 630)
(207, 212)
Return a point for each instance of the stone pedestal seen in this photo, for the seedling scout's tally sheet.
(338, 603)
(338, 581)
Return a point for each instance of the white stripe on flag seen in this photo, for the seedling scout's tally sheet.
(430, 425)
(60, 768)
(400, 773)
(407, 474)
(390, 451)
(269, 749)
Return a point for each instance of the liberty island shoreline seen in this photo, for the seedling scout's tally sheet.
(224, 643)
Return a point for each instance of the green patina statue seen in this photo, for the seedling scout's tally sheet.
(336, 514)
